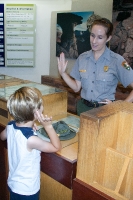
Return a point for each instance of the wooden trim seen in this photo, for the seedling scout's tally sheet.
(3, 113)
(58, 168)
(84, 191)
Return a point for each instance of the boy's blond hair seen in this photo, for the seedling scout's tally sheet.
(23, 102)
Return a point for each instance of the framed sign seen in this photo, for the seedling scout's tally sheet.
(20, 29)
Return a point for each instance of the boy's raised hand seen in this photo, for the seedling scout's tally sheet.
(43, 119)
(37, 143)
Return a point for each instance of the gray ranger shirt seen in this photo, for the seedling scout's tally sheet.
(99, 78)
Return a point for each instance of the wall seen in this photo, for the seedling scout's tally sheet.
(101, 7)
(46, 62)
(43, 20)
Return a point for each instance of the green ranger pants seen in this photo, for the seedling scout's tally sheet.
(81, 107)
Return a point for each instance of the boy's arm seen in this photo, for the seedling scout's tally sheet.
(37, 143)
(54, 145)
(3, 135)
(54, 139)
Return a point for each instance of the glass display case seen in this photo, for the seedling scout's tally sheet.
(6, 91)
(55, 100)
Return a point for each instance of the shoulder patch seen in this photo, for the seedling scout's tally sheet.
(125, 65)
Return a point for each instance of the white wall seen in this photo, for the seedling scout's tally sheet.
(44, 9)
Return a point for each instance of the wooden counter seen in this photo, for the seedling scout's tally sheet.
(57, 173)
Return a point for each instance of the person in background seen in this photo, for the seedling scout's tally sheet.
(59, 47)
(59, 33)
(24, 146)
(97, 72)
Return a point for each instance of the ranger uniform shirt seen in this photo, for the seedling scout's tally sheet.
(99, 78)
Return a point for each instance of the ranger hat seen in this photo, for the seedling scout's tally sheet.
(62, 129)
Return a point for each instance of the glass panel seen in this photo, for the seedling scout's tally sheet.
(4, 77)
(45, 89)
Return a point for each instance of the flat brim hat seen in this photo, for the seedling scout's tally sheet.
(62, 129)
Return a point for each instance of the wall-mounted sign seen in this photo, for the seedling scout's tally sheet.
(2, 52)
(20, 35)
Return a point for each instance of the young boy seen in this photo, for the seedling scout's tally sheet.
(24, 146)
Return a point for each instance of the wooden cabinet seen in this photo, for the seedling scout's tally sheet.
(57, 173)
(72, 97)
(105, 156)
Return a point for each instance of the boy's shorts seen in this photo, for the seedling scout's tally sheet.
(15, 196)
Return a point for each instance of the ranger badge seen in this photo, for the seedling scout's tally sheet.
(106, 68)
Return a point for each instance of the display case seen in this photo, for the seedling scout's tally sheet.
(9, 80)
(55, 100)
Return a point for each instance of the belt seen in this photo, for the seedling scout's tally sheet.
(93, 104)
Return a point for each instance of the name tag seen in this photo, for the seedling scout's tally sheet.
(82, 70)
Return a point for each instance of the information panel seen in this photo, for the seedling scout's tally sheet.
(20, 35)
(2, 49)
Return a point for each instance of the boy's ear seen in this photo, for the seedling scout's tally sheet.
(35, 114)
